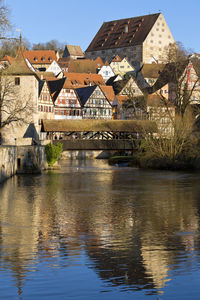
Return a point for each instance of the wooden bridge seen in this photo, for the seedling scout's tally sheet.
(97, 134)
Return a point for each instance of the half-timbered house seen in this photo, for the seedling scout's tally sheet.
(95, 104)
(66, 101)
(45, 101)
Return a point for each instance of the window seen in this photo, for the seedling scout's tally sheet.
(49, 59)
(35, 59)
(17, 81)
(42, 59)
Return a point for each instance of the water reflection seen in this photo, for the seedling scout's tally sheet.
(135, 229)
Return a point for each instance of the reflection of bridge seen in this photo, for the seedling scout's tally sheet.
(97, 134)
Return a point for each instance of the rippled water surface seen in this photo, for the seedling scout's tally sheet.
(91, 231)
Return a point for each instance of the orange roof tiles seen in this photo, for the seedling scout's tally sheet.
(108, 92)
(117, 59)
(99, 62)
(84, 79)
(40, 56)
(8, 58)
(121, 98)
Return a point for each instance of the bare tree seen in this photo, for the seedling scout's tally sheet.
(134, 102)
(51, 45)
(13, 107)
(10, 46)
(182, 76)
(5, 24)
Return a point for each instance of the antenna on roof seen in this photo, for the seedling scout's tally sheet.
(20, 36)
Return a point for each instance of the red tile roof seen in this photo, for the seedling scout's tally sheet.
(117, 59)
(99, 62)
(40, 56)
(108, 92)
(8, 58)
(121, 98)
(84, 79)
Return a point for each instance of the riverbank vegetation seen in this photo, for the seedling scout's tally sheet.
(176, 143)
(53, 153)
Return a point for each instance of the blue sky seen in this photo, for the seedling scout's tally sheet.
(76, 22)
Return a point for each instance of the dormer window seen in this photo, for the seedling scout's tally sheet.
(42, 59)
(35, 59)
(49, 59)
(126, 29)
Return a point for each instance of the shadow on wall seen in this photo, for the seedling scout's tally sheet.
(31, 132)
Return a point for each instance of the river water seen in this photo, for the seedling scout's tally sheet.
(92, 231)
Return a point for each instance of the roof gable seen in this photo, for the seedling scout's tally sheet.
(20, 66)
(55, 86)
(108, 92)
(73, 50)
(84, 93)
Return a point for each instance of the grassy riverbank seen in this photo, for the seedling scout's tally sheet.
(164, 163)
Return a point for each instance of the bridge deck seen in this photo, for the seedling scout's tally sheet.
(97, 144)
(97, 134)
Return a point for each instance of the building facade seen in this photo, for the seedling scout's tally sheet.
(141, 39)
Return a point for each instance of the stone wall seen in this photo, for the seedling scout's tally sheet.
(21, 159)
(31, 159)
(8, 162)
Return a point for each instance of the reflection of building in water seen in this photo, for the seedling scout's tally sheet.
(156, 262)
(129, 229)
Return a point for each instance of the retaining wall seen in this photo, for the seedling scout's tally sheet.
(21, 159)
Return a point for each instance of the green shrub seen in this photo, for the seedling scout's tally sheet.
(53, 153)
